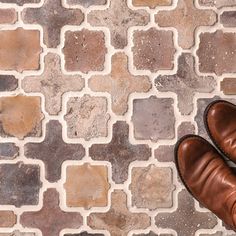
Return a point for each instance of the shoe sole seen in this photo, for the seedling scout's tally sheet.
(222, 152)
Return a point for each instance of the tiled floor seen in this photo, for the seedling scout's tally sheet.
(94, 95)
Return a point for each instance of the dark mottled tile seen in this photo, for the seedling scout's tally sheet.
(8, 83)
(87, 3)
(8, 151)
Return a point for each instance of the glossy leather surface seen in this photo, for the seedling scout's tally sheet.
(207, 177)
(221, 125)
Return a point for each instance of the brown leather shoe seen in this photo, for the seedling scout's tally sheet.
(220, 122)
(207, 177)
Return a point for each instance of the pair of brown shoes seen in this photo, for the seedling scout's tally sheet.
(202, 168)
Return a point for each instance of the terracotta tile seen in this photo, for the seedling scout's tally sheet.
(228, 86)
(119, 83)
(8, 151)
(153, 118)
(17, 233)
(83, 234)
(87, 117)
(153, 50)
(21, 116)
(54, 147)
(87, 3)
(118, 220)
(165, 153)
(151, 3)
(86, 186)
(20, 2)
(8, 16)
(186, 213)
(52, 83)
(51, 219)
(186, 18)
(217, 52)
(52, 16)
(201, 106)
(228, 18)
(7, 219)
(20, 184)
(8, 83)
(19, 49)
(151, 187)
(185, 83)
(125, 18)
(217, 3)
(84, 50)
(120, 152)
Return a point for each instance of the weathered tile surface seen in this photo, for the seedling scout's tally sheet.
(151, 187)
(52, 83)
(119, 83)
(87, 3)
(20, 116)
(87, 117)
(20, 2)
(8, 151)
(84, 233)
(118, 25)
(118, 220)
(84, 50)
(120, 152)
(52, 16)
(228, 18)
(228, 86)
(19, 49)
(217, 52)
(153, 50)
(186, 18)
(152, 3)
(78, 178)
(185, 83)
(17, 233)
(218, 3)
(151, 233)
(20, 184)
(8, 16)
(186, 213)
(153, 118)
(56, 219)
(8, 83)
(7, 218)
(53, 151)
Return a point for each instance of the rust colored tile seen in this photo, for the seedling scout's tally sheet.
(52, 16)
(52, 83)
(228, 18)
(51, 219)
(153, 118)
(165, 153)
(87, 117)
(19, 49)
(185, 83)
(217, 3)
(86, 186)
(228, 86)
(8, 16)
(20, 2)
(153, 50)
(217, 52)
(84, 50)
(151, 187)
(7, 219)
(20, 184)
(119, 83)
(8, 151)
(20, 116)
(120, 152)
(118, 220)
(186, 213)
(151, 3)
(186, 18)
(87, 3)
(8, 83)
(53, 151)
(118, 25)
